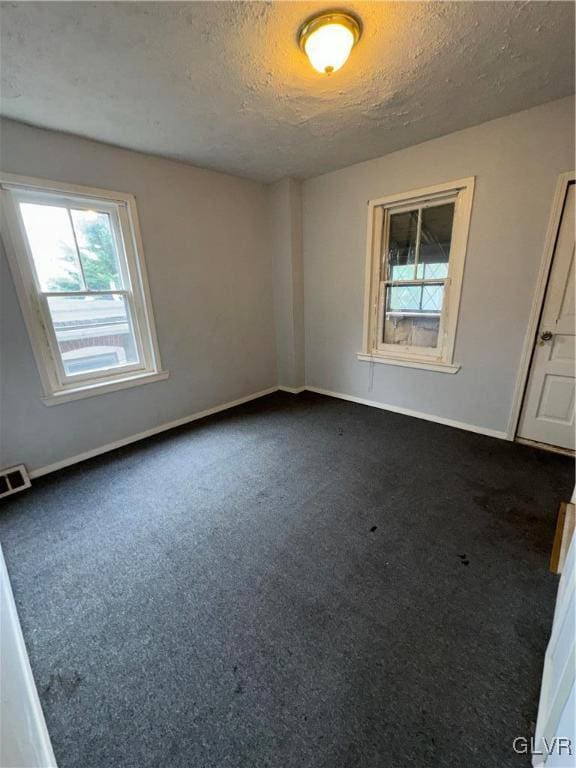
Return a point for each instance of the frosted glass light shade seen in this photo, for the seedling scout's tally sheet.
(328, 40)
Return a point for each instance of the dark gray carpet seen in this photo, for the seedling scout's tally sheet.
(298, 582)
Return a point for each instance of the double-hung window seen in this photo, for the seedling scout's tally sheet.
(76, 258)
(415, 264)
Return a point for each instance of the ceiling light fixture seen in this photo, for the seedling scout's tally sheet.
(328, 38)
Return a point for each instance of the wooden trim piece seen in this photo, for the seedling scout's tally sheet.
(539, 293)
(92, 389)
(147, 433)
(15, 181)
(429, 365)
(423, 193)
(545, 446)
(409, 412)
(563, 536)
(209, 411)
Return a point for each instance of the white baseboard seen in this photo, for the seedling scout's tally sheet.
(147, 433)
(417, 414)
(217, 408)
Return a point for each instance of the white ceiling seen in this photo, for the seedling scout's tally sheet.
(223, 84)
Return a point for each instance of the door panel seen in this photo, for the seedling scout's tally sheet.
(548, 410)
(563, 348)
(557, 402)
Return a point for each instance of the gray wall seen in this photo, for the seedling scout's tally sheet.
(224, 259)
(206, 248)
(285, 213)
(516, 161)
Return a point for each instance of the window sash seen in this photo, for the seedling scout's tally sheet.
(422, 203)
(123, 222)
(71, 202)
(408, 350)
(411, 207)
(102, 373)
(416, 281)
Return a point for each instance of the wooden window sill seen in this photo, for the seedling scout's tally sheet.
(427, 365)
(89, 390)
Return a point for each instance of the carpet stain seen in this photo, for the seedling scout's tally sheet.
(65, 683)
(535, 530)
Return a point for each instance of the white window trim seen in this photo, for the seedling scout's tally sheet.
(463, 191)
(55, 389)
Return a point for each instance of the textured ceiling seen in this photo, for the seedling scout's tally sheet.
(223, 84)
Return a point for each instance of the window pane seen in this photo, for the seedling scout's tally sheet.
(51, 241)
(402, 245)
(412, 315)
(431, 299)
(404, 298)
(97, 250)
(93, 332)
(435, 239)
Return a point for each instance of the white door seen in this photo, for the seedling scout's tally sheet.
(555, 739)
(548, 411)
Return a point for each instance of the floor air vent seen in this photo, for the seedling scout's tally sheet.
(13, 479)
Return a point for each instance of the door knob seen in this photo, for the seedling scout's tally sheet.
(546, 336)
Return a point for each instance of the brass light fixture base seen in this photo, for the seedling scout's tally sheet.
(344, 18)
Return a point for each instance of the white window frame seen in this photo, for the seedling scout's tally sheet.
(57, 385)
(440, 358)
